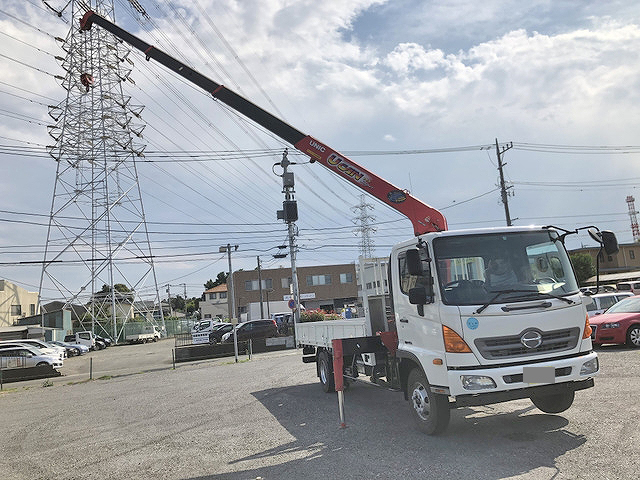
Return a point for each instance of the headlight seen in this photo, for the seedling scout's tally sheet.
(477, 382)
(611, 325)
(589, 367)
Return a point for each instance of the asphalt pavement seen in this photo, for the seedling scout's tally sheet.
(268, 418)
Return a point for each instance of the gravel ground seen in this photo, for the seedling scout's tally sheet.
(268, 418)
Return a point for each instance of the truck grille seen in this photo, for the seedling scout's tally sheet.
(511, 347)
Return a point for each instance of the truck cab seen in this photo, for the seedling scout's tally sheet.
(482, 330)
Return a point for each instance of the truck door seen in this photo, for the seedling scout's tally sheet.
(419, 328)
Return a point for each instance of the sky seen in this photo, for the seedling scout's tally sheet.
(417, 92)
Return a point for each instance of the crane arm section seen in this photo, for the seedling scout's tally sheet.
(423, 217)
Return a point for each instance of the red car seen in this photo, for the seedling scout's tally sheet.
(619, 324)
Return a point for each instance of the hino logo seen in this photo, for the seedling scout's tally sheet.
(531, 339)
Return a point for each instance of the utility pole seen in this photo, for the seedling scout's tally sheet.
(289, 214)
(232, 300)
(169, 300)
(185, 299)
(504, 189)
(260, 287)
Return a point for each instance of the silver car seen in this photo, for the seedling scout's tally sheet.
(27, 356)
(59, 352)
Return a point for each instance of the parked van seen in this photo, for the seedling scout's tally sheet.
(602, 301)
(633, 287)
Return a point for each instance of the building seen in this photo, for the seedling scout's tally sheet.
(328, 287)
(214, 303)
(16, 303)
(619, 267)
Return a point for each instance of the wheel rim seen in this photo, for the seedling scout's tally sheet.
(323, 371)
(634, 336)
(420, 399)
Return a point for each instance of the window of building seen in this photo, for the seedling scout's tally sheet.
(213, 296)
(632, 254)
(318, 280)
(286, 282)
(32, 309)
(223, 295)
(346, 278)
(250, 285)
(16, 310)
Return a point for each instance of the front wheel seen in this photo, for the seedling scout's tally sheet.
(430, 410)
(633, 336)
(325, 372)
(556, 403)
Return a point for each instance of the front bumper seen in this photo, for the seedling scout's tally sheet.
(510, 378)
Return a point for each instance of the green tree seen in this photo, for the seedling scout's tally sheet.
(193, 304)
(221, 279)
(583, 266)
(123, 292)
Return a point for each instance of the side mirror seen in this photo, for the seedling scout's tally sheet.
(418, 296)
(610, 242)
(414, 262)
(606, 238)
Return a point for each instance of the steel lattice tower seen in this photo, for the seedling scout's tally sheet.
(364, 229)
(634, 220)
(97, 236)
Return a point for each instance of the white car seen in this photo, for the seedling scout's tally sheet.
(27, 356)
(602, 301)
(45, 348)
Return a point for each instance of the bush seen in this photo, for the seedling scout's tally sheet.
(317, 316)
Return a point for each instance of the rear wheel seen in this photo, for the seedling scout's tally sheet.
(555, 403)
(430, 410)
(633, 336)
(325, 372)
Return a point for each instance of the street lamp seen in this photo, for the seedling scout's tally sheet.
(231, 301)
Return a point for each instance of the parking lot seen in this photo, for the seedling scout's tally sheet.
(268, 418)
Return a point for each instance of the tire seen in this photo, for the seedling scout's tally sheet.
(633, 336)
(325, 372)
(430, 410)
(42, 364)
(556, 403)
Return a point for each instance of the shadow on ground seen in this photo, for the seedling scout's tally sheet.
(380, 440)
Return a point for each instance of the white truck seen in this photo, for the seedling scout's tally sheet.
(465, 329)
(86, 338)
(149, 333)
(456, 339)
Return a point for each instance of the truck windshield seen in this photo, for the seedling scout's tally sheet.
(472, 269)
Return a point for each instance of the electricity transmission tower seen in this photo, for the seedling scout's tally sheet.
(98, 253)
(634, 219)
(365, 229)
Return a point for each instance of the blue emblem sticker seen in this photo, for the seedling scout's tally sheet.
(472, 323)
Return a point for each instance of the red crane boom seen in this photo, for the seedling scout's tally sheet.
(423, 217)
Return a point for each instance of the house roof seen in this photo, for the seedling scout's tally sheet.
(217, 288)
(615, 277)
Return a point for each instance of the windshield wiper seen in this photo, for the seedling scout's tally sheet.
(495, 297)
(535, 292)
